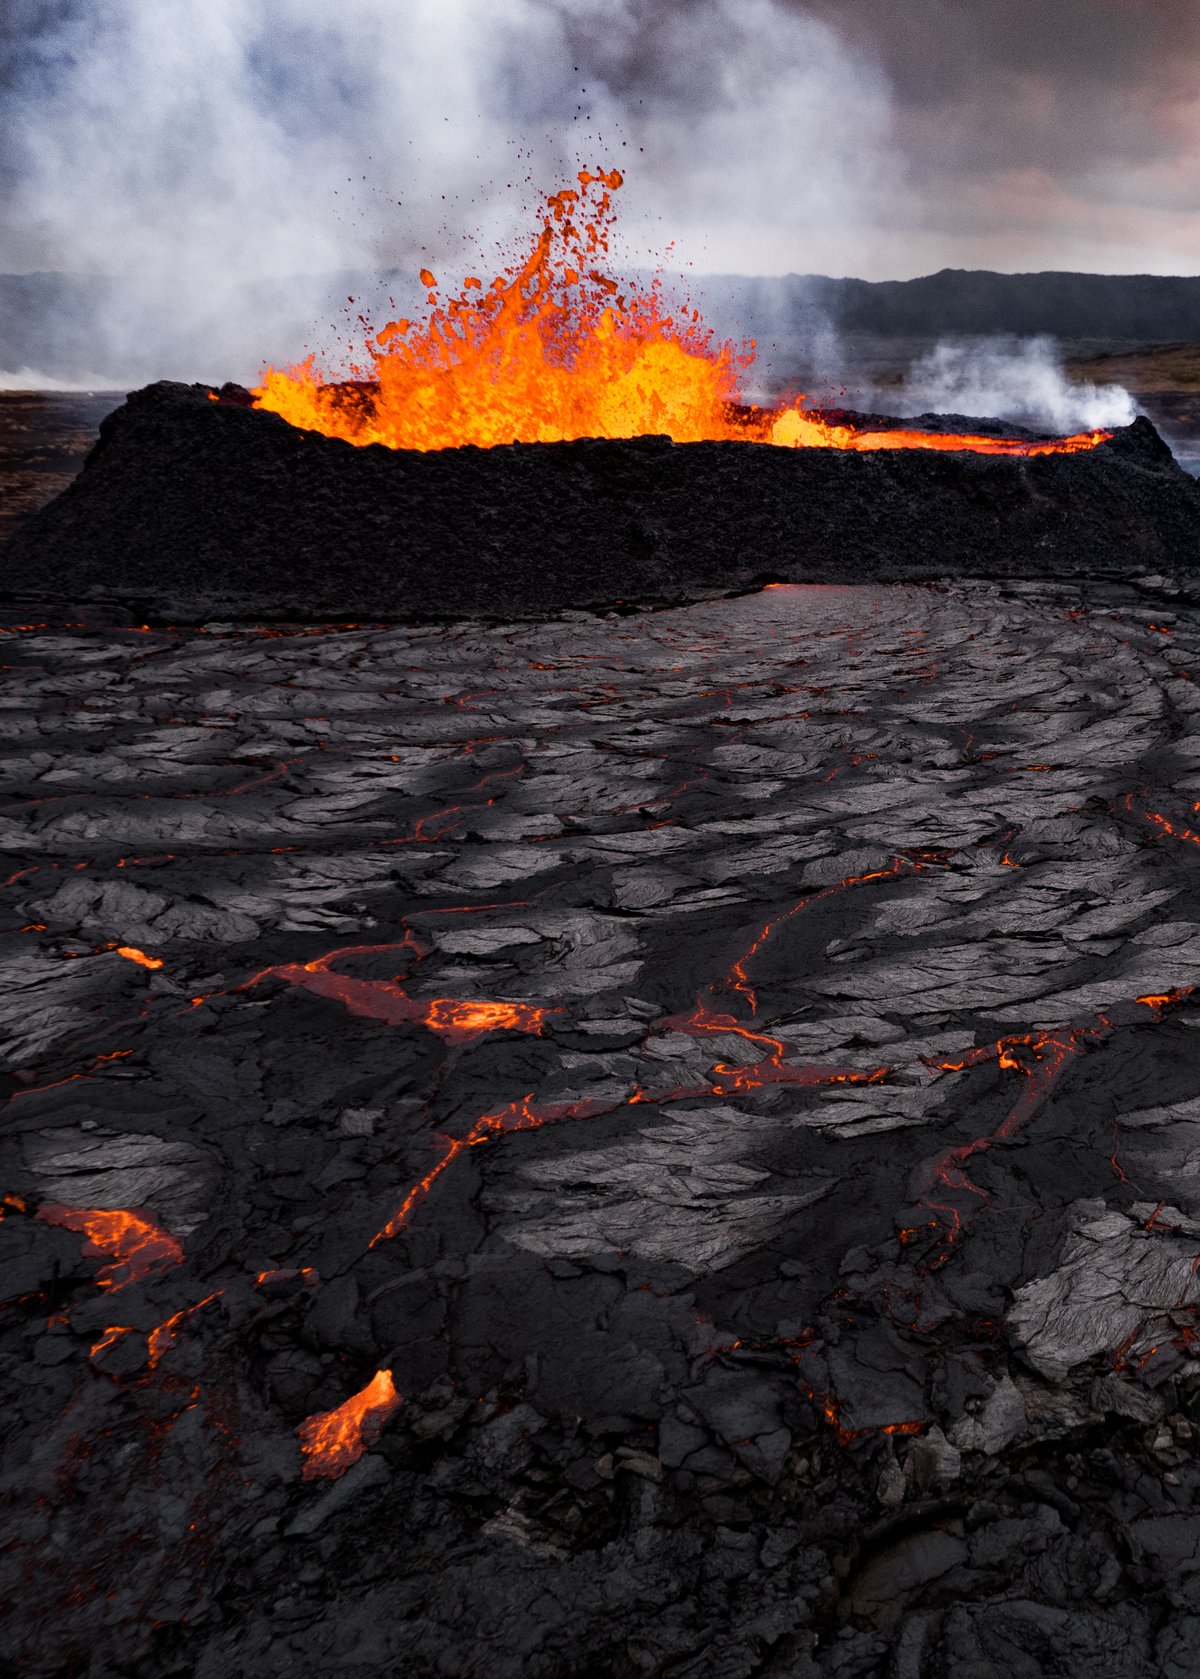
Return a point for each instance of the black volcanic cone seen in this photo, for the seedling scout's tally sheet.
(195, 508)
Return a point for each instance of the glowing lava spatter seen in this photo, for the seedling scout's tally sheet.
(133, 1245)
(333, 1440)
(554, 349)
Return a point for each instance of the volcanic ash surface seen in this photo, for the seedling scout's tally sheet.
(664, 1144)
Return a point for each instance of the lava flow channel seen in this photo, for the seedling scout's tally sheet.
(556, 348)
(455, 1021)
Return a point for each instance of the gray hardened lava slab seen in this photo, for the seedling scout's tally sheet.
(664, 1144)
(190, 509)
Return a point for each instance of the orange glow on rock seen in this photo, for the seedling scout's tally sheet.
(307, 1275)
(333, 1440)
(556, 349)
(132, 1244)
(111, 1336)
(1164, 999)
(161, 1339)
(132, 954)
(1188, 835)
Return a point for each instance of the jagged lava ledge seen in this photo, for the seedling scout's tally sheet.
(198, 508)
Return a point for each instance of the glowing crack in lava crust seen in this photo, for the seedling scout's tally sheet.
(555, 348)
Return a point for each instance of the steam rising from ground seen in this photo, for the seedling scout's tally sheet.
(1022, 380)
(228, 164)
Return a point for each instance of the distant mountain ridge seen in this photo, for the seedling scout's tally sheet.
(1126, 308)
(70, 325)
(1144, 307)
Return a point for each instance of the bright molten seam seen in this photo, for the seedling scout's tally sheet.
(133, 1246)
(333, 1440)
(556, 348)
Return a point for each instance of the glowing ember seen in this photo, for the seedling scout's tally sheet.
(134, 1247)
(554, 349)
(333, 1440)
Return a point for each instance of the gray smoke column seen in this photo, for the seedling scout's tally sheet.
(233, 172)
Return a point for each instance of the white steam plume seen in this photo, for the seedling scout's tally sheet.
(230, 167)
(1016, 379)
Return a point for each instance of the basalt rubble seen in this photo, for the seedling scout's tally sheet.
(662, 1144)
(191, 508)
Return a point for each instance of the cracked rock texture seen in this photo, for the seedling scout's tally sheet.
(731, 1071)
(189, 508)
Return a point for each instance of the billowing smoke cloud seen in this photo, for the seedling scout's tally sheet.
(1011, 379)
(234, 170)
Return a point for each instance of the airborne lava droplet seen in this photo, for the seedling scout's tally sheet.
(333, 1440)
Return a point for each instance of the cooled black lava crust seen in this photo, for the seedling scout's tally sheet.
(821, 1299)
(194, 509)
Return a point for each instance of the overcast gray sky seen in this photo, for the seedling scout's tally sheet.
(884, 138)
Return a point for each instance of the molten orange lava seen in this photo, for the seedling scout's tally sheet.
(132, 954)
(1162, 1000)
(133, 1245)
(459, 1021)
(798, 430)
(555, 349)
(333, 1440)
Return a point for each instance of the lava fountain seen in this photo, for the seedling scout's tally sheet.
(555, 348)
